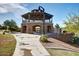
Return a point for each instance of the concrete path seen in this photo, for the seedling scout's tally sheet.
(59, 44)
(29, 43)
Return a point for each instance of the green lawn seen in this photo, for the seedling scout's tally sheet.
(7, 44)
(59, 52)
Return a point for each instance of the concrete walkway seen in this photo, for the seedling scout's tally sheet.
(31, 44)
(61, 45)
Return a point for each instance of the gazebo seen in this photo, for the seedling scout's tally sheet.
(37, 21)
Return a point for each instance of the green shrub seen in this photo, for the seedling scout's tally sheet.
(43, 38)
(76, 40)
(4, 33)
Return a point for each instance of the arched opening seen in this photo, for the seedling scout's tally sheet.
(36, 29)
(24, 29)
(48, 29)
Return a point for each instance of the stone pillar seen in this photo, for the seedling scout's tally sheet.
(42, 28)
(45, 28)
(27, 30)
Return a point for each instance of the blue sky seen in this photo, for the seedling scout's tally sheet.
(60, 11)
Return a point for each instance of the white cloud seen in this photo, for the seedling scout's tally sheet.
(5, 8)
(15, 9)
(2, 10)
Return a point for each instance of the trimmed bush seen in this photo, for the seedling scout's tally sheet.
(43, 38)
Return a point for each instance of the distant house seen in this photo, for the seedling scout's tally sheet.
(37, 21)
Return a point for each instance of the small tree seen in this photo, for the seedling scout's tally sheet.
(57, 26)
(72, 23)
(58, 29)
(11, 24)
